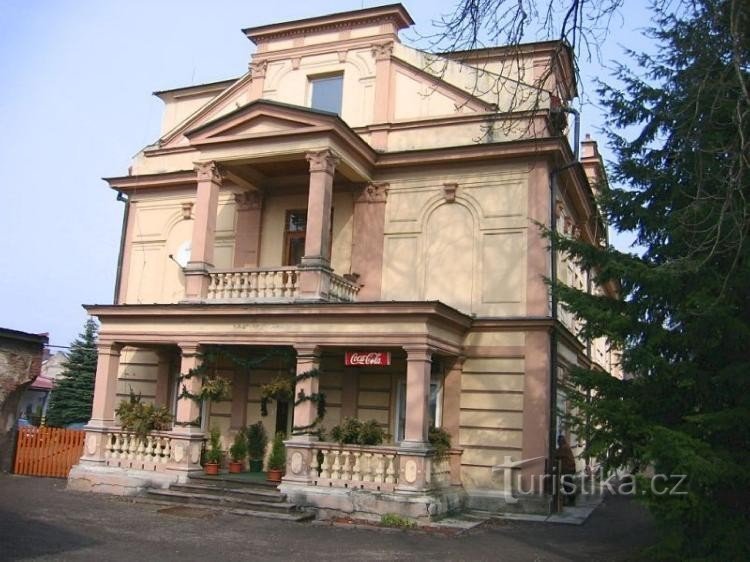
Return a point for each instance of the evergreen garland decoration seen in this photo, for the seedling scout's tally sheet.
(284, 388)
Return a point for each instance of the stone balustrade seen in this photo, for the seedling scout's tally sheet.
(374, 468)
(125, 450)
(354, 466)
(274, 284)
(277, 284)
(342, 290)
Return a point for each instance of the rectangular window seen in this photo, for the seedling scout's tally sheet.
(327, 93)
(294, 237)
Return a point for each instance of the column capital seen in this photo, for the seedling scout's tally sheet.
(109, 348)
(208, 171)
(322, 161)
(419, 353)
(382, 51)
(307, 350)
(258, 68)
(249, 200)
(189, 349)
(374, 192)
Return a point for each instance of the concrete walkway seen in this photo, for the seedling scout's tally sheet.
(40, 520)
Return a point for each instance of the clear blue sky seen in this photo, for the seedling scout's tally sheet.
(75, 106)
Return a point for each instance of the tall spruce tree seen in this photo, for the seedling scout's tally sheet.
(682, 320)
(74, 391)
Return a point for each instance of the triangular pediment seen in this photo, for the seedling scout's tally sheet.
(258, 119)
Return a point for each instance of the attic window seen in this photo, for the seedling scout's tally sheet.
(327, 92)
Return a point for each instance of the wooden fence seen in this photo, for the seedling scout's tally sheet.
(47, 451)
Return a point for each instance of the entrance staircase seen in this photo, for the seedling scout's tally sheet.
(238, 495)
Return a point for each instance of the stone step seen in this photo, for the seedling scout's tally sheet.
(221, 500)
(297, 516)
(237, 492)
(230, 481)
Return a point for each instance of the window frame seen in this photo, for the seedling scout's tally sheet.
(311, 79)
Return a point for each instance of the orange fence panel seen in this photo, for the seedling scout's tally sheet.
(47, 451)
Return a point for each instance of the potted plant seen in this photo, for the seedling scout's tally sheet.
(238, 452)
(257, 440)
(277, 459)
(213, 454)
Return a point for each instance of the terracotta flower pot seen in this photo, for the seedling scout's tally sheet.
(212, 468)
(274, 475)
(235, 467)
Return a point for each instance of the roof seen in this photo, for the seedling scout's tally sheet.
(219, 84)
(18, 335)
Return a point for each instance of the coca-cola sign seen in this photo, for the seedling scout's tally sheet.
(367, 358)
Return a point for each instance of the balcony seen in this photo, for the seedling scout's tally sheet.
(278, 285)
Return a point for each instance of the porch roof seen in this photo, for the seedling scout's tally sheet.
(361, 324)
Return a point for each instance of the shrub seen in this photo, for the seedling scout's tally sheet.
(352, 431)
(440, 441)
(277, 458)
(238, 450)
(393, 520)
(142, 418)
(257, 440)
(214, 453)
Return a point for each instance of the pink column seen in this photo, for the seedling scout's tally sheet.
(318, 232)
(383, 110)
(247, 233)
(162, 377)
(418, 361)
(452, 400)
(368, 240)
(105, 385)
(315, 266)
(305, 413)
(204, 230)
(188, 410)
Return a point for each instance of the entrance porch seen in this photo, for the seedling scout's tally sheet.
(405, 398)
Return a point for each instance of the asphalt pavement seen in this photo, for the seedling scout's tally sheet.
(41, 520)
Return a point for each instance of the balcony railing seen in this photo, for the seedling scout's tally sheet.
(277, 284)
(124, 449)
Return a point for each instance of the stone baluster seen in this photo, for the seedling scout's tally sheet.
(261, 284)
(379, 467)
(278, 285)
(325, 465)
(357, 468)
(346, 469)
(150, 449)
(313, 473)
(336, 468)
(367, 473)
(253, 285)
(167, 453)
(244, 285)
(390, 473)
(139, 450)
(212, 286)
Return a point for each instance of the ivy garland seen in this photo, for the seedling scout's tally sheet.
(283, 389)
(215, 387)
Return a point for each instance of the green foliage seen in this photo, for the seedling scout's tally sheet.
(277, 458)
(73, 394)
(440, 441)
(214, 454)
(257, 440)
(142, 418)
(683, 320)
(393, 520)
(355, 432)
(280, 389)
(238, 450)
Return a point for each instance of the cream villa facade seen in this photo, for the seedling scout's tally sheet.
(352, 194)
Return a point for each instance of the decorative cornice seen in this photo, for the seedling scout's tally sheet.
(322, 161)
(258, 68)
(208, 171)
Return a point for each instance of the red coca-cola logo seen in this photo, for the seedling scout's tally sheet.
(367, 358)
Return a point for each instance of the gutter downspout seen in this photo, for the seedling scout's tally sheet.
(125, 217)
(553, 363)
